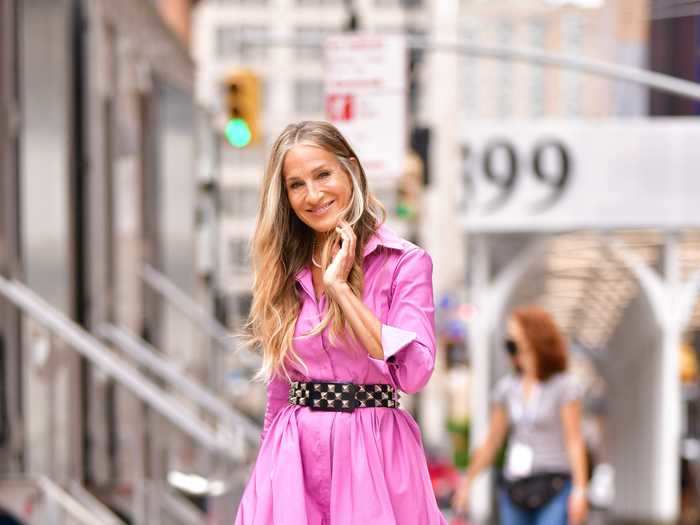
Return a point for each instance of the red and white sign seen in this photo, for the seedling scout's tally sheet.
(339, 107)
(366, 98)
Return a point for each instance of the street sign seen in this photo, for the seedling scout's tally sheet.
(366, 96)
(564, 175)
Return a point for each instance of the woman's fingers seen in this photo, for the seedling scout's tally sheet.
(346, 262)
(351, 236)
(343, 253)
(349, 240)
(351, 254)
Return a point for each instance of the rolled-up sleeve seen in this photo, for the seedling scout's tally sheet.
(277, 397)
(408, 335)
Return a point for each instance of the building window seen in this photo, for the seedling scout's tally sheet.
(241, 42)
(238, 307)
(312, 33)
(538, 40)
(239, 255)
(308, 96)
(470, 70)
(245, 301)
(243, 2)
(405, 4)
(240, 202)
(572, 44)
(696, 103)
(318, 3)
(505, 93)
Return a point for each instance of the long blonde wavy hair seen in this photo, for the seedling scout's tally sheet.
(282, 246)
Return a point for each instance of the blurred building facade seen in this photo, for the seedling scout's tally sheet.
(615, 32)
(105, 285)
(675, 50)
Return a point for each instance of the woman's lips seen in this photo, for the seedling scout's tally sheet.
(324, 209)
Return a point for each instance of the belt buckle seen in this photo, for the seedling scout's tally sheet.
(332, 403)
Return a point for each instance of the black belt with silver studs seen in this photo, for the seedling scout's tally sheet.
(342, 397)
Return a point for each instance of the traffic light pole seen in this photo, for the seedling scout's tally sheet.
(599, 68)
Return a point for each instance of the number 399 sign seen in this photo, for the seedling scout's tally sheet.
(554, 176)
(501, 166)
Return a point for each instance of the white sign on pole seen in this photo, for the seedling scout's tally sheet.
(365, 92)
(565, 175)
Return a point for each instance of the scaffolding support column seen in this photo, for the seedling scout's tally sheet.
(668, 413)
(671, 300)
(479, 345)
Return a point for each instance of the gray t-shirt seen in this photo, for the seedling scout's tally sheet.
(536, 425)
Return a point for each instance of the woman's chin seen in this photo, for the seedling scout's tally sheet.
(323, 226)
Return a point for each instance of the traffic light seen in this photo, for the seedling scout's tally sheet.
(409, 188)
(242, 101)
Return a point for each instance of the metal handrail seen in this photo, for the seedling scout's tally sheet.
(180, 300)
(107, 517)
(181, 507)
(54, 494)
(538, 57)
(193, 311)
(67, 502)
(97, 353)
(147, 356)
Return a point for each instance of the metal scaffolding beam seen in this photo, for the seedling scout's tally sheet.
(536, 57)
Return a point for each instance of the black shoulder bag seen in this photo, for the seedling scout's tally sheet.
(535, 491)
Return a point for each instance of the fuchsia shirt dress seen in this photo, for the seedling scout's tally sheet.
(365, 467)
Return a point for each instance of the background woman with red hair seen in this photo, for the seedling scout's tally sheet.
(545, 475)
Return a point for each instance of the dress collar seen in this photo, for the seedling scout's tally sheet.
(384, 236)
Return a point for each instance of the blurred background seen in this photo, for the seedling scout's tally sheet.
(543, 151)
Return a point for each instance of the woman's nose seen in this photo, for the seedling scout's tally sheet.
(314, 194)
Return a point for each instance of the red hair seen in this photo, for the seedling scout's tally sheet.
(545, 338)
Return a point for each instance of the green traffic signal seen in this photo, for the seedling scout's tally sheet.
(238, 133)
(404, 210)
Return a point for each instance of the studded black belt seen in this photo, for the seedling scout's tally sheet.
(342, 397)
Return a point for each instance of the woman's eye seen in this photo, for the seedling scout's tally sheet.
(295, 185)
(324, 174)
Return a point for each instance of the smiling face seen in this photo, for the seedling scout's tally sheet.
(317, 185)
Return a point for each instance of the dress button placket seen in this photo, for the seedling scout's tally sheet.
(320, 309)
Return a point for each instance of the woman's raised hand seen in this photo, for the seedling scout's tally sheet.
(337, 272)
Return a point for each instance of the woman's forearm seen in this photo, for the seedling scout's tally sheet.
(579, 467)
(365, 325)
(575, 445)
(481, 459)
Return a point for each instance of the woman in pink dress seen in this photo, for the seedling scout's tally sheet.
(343, 312)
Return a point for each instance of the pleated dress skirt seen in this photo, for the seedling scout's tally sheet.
(335, 468)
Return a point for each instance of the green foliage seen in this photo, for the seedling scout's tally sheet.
(460, 431)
